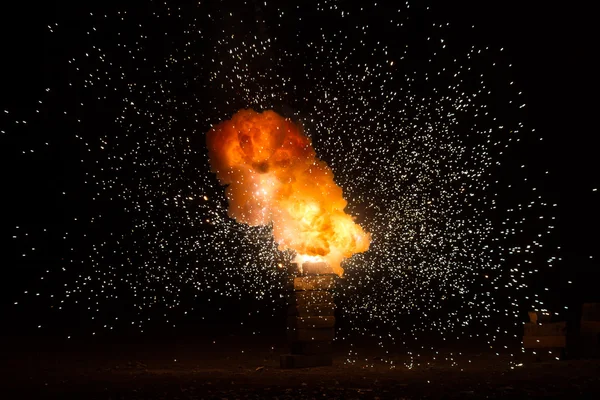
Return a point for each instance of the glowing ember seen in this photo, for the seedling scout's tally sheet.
(274, 177)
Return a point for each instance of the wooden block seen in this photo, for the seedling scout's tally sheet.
(316, 268)
(545, 329)
(310, 297)
(590, 312)
(310, 335)
(287, 361)
(589, 338)
(590, 327)
(312, 310)
(536, 342)
(311, 348)
(311, 322)
(589, 345)
(320, 282)
(532, 317)
(539, 316)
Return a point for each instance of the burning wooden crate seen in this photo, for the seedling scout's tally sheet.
(311, 318)
(589, 332)
(542, 339)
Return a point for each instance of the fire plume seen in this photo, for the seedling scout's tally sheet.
(273, 177)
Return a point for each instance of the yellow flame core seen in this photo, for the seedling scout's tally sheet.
(273, 176)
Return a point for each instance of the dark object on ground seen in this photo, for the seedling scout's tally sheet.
(544, 340)
(311, 320)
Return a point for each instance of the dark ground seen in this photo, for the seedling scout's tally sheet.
(247, 368)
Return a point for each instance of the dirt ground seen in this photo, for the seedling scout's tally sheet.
(247, 368)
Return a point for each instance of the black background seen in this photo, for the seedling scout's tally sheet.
(553, 53)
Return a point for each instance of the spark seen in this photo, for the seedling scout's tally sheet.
(417, 149)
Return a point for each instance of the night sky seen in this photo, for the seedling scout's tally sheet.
(464, 138)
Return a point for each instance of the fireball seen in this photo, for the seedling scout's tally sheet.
(273, 176)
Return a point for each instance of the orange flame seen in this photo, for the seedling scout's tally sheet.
(273, 176)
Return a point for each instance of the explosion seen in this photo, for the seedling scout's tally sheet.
(273, 177)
